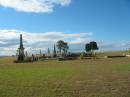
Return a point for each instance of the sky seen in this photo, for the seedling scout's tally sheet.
(44, 22)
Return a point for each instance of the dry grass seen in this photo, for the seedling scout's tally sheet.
(79, 78)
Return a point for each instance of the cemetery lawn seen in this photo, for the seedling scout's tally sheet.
(77, 78)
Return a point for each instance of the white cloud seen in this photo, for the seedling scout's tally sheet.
(35, 6)
(9, 39)
(113, 45)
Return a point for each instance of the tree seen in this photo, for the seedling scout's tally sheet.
(91, 46)
(88, 47)
(62, 46)
(94, 46)
(65, 48)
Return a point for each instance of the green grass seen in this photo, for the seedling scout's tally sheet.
(79, 78)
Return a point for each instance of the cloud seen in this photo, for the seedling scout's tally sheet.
(33, 42)
(113, 45)
(9, 40)
(34, 6)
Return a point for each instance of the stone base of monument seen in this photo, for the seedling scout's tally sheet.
(67, 58)
(27, 59)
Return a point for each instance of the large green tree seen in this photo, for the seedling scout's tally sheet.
(62, 46)
(88, 47)
(65, 47)
(92, 46)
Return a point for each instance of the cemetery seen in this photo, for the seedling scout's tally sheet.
(60, 55)
(97, 74)
(64, 48)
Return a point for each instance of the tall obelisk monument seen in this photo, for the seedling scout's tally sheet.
(21, 50)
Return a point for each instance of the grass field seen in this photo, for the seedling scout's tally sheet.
(79, 78)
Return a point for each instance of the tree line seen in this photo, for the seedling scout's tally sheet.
(89, 47)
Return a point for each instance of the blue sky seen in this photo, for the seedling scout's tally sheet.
(105, 21)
